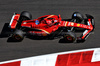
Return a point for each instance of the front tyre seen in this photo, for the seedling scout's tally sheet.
(69, 37)
(77, 17)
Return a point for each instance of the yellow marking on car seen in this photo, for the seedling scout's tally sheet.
(45, 31)
(49, 16)
(66, 23)
(78, 25)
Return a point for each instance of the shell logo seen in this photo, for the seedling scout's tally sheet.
(78, 24)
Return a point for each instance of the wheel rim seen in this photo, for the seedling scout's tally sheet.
(17, 37)
(69, 38)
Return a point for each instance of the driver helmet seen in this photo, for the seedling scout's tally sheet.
(37, 22)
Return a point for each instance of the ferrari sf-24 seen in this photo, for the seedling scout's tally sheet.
(51, 26)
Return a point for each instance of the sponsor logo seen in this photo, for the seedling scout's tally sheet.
(78, 25)
(55, 20)
(72, 24)
(69, 23)
(24, 23)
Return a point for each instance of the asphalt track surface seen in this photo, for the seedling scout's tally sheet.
(29, 47)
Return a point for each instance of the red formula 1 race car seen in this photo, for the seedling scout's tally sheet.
(51, 26)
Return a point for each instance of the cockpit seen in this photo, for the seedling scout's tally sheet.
(48, 19)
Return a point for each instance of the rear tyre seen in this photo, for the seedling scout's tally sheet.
(25, 15)
(18, 35)
(69, 37)
(77, 18)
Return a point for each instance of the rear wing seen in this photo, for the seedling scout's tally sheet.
(14, 21)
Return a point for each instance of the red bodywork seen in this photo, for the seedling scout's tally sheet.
(54, 22)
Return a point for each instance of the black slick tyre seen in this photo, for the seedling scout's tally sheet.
(69, 37)
(78, 16)
(18, 35)
(25, 15)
